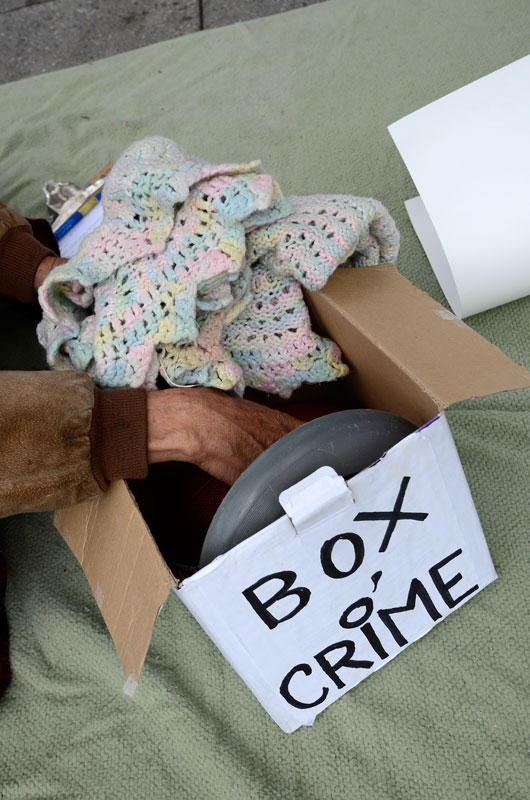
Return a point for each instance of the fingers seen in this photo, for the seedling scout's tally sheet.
(45, 267)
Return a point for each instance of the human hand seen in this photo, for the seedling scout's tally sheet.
(46, 265)
(218, 433)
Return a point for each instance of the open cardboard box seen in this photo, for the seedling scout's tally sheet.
(407, 354)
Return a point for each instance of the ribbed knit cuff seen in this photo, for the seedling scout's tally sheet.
(42, 231)
(118, 435)
(20, 255)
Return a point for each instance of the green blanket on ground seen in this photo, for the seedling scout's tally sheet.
(310, 93)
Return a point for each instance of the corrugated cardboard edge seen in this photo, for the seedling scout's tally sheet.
(123, 566)
(408, 353)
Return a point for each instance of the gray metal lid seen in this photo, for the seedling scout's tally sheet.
(348, 441)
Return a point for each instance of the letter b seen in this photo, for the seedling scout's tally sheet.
(261, 607)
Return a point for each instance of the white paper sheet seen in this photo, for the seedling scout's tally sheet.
(71, 241)
(469, 156)
(426, 233)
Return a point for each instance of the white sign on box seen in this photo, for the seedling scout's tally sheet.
(468, 154)
(353, 573)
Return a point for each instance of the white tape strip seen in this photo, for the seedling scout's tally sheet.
(130, 685)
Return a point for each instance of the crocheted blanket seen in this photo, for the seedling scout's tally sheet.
(197, 272)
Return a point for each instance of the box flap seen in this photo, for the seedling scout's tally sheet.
(408, 353)
(123, 566)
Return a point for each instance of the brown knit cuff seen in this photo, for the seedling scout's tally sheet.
(118, 435)
(20, 255)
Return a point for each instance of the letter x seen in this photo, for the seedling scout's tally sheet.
(393, 516)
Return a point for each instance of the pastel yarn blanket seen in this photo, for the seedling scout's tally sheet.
(196, 273)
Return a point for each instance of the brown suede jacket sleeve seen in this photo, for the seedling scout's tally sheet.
(62, 440)
(20, 255)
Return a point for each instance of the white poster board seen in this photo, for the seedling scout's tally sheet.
(469, 157)
(354, 573)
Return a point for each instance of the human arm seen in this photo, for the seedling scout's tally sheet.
(63, 440)
(24, 260)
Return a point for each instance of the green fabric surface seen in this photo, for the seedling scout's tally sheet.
(311, 93)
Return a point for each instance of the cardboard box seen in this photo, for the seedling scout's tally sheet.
(407, 354)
